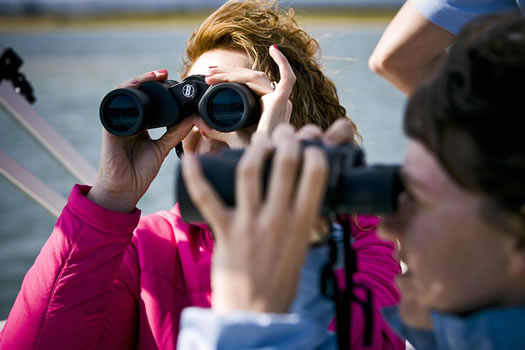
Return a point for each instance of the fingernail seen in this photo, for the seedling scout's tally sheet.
(212, 67)
(162, 71)
(275, 47)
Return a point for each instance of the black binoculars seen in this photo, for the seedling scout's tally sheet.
(224, 107)
(353, 186)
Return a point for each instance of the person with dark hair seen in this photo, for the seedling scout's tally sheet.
(460, 225)
(414, 44)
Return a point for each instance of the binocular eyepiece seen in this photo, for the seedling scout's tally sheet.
(224, 107)
(353, 186)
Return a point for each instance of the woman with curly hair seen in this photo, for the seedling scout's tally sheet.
(108, 278)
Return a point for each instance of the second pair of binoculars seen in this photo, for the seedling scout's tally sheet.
(353, 187)
(224, 107)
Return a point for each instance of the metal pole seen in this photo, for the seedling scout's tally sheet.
(22, 112)
(31, 185)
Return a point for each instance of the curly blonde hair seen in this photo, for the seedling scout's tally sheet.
(253, 26)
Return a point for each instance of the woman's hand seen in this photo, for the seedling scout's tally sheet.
(128, 165)
(275, 103)
(276, 106)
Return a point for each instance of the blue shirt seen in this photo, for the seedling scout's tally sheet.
(489, 329)
(304, 327)
(453, 14)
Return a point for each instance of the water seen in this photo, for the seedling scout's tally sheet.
(72, 70)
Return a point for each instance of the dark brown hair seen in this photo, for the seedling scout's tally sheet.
(471, 115)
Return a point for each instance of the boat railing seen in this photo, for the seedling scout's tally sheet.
(16, 96)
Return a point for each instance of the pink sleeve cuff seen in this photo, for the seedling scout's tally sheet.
(99, 217)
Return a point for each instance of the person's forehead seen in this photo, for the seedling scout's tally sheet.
(220, 57)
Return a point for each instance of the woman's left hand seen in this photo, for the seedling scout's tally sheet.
(275, 97)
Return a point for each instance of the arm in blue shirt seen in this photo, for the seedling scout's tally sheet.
(305, 327)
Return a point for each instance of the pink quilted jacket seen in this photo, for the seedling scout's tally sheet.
(107, 280)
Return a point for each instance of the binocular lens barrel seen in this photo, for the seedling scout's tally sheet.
(122, 113)
(226, 107)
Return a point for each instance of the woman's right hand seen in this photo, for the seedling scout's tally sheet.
(128, 165)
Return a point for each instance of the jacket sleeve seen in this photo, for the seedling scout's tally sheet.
(65, 296)
(304, 327)
(376, 270)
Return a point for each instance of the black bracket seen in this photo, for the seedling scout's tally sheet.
(10, 62)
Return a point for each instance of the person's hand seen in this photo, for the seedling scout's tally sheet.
(275, 104)
(128, 165)
(339, 133)
(261, 244)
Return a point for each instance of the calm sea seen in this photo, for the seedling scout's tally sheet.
(72, 70)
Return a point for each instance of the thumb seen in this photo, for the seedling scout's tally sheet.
(173, 136)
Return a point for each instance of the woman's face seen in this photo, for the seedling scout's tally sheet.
(203, 138)
(456, 261)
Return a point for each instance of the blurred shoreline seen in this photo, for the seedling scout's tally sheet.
(54, 22)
